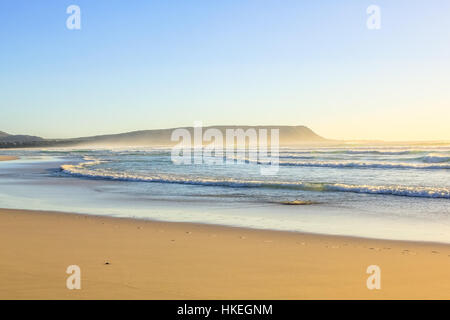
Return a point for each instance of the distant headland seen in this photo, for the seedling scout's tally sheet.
(288, 135)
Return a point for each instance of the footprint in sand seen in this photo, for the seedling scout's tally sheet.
(434, 252)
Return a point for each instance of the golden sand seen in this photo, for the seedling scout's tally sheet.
(8, 158)
(135, 259)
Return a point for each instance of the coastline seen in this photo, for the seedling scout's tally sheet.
(124, 258)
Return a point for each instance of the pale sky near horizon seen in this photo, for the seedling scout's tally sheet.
(138, 65)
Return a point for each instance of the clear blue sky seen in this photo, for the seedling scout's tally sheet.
(156, 64)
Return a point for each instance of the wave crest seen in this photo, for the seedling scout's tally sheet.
(83, 170)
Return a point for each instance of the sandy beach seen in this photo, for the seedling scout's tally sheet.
(8, 158)
(136, 259)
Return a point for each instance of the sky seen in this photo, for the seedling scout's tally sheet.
(137, 65)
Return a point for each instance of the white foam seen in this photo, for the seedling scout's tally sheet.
(357, 164)
(83, 170)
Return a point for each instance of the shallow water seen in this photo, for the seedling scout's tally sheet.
(395, 192)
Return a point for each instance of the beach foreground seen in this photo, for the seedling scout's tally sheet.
(136, 259)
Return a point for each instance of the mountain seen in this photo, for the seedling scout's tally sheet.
(288, 135)
(9, 140)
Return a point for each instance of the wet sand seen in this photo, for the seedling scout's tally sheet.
(136, 259)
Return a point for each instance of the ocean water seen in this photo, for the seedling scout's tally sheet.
(392, 192)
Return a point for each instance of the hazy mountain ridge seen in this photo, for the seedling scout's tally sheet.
(7, 139)
(289, 135)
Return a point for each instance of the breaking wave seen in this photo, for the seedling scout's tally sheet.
(433, 158)
(433, 164)
(83, 170)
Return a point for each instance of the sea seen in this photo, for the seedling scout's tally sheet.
(399, 192)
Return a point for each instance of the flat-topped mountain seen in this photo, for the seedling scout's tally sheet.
(288, 135)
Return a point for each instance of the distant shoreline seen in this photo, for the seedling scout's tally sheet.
(288, 135)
